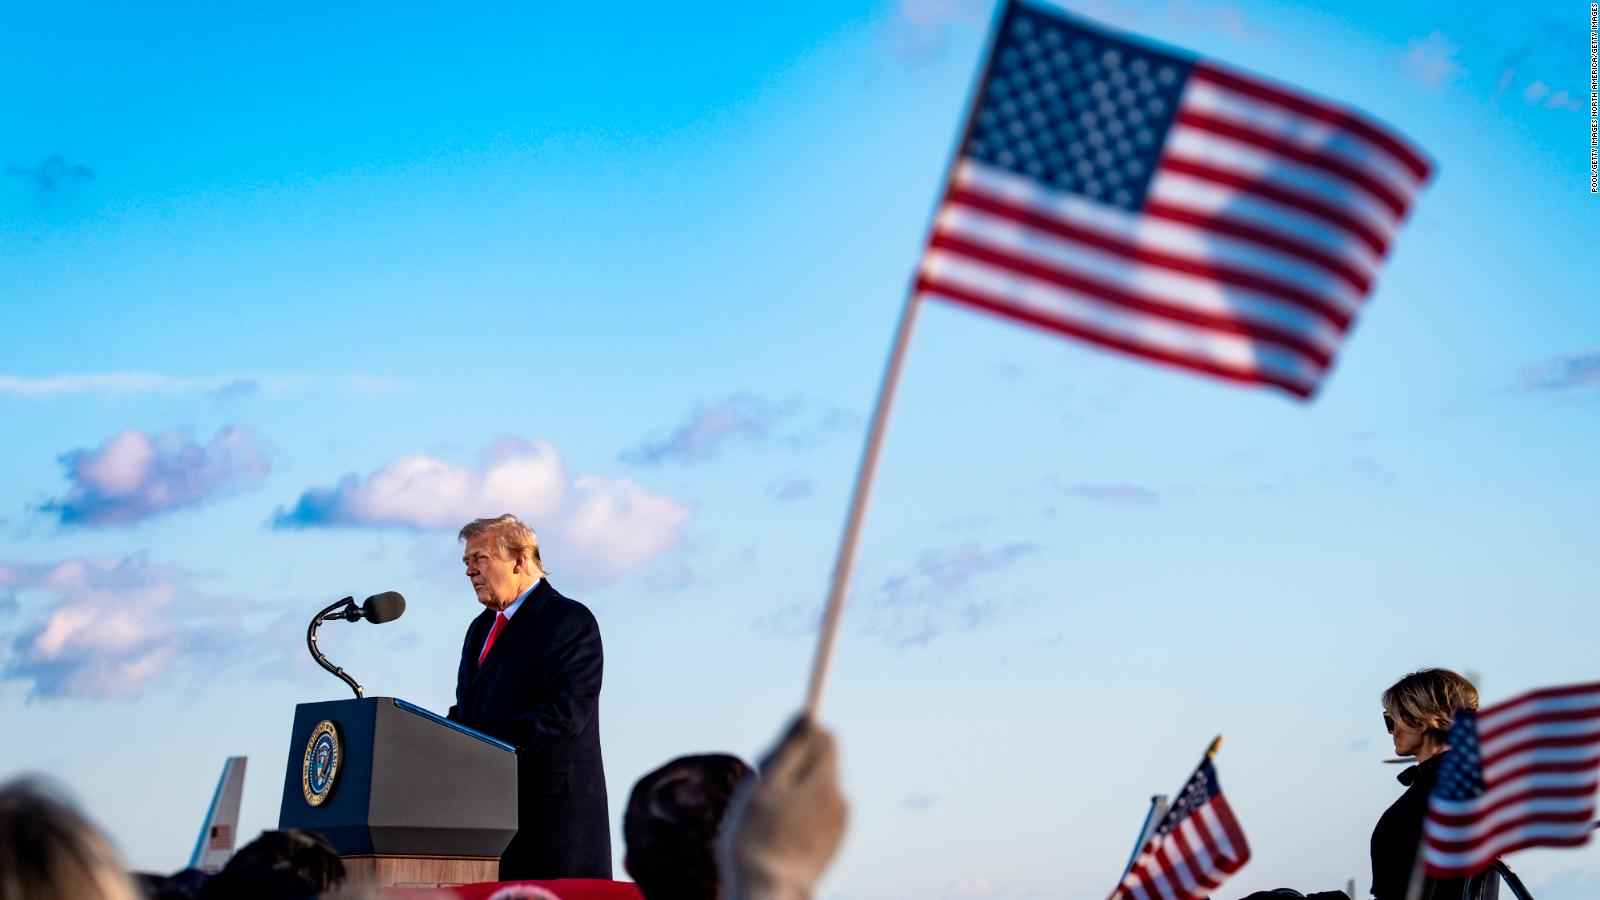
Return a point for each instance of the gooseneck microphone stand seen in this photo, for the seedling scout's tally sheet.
(345, 609)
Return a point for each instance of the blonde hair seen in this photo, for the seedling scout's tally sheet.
(1427, 700)
(48, 851)
(512, 535)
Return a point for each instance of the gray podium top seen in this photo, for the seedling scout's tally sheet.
(395, 779)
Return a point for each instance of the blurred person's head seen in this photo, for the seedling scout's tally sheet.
(189, 881)
(523, 892)
(48, 850)
(670, 827)
(257, 884)
(292, 863)
(1419, 708)
(161, 887)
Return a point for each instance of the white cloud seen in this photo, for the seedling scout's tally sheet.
(1431, 61)
(1226, 18)
(1114, 493)
(134, 476)
(617, 524)
(107, 635)
(938, 591)
(115, 627)
(923, 29)
(598, 529)
(745, 418)
(794, 487)
(127, 383)
(1566, 371)
(1562, 100)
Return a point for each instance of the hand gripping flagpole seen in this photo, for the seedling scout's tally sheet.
(844, 562)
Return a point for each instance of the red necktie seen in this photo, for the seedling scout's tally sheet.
(500, 621)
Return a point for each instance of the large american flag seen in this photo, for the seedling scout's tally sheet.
(1522, 773)
(1165, 206)
(1197, 845)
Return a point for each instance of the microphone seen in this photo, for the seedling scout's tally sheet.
(384, 607)
(379, 608)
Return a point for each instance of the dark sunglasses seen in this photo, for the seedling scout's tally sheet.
(1388, 723)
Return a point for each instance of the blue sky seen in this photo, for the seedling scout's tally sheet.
(632, 272)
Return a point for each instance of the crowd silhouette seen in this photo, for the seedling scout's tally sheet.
(703, 827)
(698, 828)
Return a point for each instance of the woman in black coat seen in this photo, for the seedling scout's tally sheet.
(1417, 711)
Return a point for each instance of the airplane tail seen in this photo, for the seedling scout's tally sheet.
(216, 841)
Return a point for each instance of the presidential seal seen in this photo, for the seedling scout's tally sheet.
(320, 770)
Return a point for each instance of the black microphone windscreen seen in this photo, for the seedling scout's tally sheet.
(384, 607)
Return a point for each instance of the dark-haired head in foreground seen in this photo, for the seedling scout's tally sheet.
(161, 887)
(670, 828)
(292, 863)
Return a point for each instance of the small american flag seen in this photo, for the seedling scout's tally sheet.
(221, 837)
(1519, 774)
(1197, 845)
(1164, 206)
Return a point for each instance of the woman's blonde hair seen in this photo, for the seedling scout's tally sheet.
(48, 851)
(1427, 700)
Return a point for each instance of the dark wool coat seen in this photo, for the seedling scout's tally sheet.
(1394, 841)
(539, 689)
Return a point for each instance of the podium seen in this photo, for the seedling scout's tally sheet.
(407, 797)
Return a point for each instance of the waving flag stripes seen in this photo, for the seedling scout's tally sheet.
(1165, 207)
(1197, 845)
(1519, 774)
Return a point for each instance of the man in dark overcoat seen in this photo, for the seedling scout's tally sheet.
(530, 675)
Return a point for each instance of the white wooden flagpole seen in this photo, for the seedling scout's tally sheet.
(844, 562)
(1419, 868)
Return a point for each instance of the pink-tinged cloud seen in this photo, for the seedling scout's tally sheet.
(96, 628)
(941, 589)
(1124, 494)
(597, 529)
(1537, 93)
(107, 634)
(742, 418)
(221, 387)
(1431, 61)
(1565, 372)
(1183, 16)
(922, 29)
(794, 487)
(135, 476)
(115, 383)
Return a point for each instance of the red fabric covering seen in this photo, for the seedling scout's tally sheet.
(565, 888)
